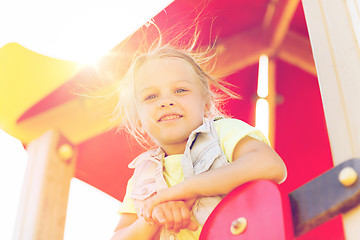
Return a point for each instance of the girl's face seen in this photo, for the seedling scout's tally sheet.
(169, 102)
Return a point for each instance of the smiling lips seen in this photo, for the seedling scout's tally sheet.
(169, 117)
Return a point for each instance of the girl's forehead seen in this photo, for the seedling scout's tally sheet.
(165, 66)
(166, 72)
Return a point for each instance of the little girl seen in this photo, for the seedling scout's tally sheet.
(200, 156)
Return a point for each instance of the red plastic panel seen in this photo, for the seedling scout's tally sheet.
(266, 209)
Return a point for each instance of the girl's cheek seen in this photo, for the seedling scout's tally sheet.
(148, 111)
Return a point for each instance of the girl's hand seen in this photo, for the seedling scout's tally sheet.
(174, 215)
(149, 206)
(174, 193)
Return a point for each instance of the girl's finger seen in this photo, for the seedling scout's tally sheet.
(158, 215)
(192, 226)
(177, 217)
(147, 210)
(149, 206)
(185, 216)
(169, 218)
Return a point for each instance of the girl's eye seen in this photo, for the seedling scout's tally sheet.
(180, 90)
(150, 97)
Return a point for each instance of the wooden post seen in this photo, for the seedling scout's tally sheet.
(272, 101)
(335, 43)
(42, 210)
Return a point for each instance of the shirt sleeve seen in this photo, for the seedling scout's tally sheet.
(231, 131)
(127, 206)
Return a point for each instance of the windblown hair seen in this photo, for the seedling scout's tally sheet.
(212, 89)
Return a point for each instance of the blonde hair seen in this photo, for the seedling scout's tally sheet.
(212, 89)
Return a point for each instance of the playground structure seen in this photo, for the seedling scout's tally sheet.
(314, 123)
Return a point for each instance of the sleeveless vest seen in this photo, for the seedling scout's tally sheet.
(202, 153)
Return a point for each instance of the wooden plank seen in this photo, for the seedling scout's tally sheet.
(337, 58)
(43, 203)
(277, 21)
(272, 101)
(240, 51)
(323, 198)
(296, 50)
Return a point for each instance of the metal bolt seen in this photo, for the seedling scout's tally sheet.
(347, 176)
(238, 226)
(65, 152)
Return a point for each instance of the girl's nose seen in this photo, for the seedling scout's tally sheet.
(166, 102)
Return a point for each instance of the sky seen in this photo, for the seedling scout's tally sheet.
(79, 31)
(12, 168)
(75, 30)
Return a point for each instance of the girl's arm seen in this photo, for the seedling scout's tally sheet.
(253, 160)
(132, 227)
(175, 215)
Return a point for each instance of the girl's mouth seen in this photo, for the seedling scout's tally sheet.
(169, 117)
